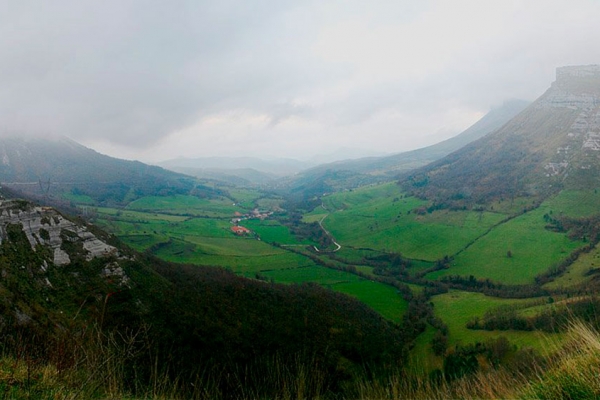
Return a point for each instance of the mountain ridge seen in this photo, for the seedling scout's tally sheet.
(47, 167)
(494, 119)
(353, 173)
(552, 144)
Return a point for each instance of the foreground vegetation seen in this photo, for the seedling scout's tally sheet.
(97, 365)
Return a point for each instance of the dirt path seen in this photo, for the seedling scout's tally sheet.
(338, 246)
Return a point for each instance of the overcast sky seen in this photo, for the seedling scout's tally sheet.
(153, 80)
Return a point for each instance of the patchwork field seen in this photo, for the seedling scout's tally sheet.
(186, 229)
(513, 252)
(383, 219)
(482, 243)
(370, 223)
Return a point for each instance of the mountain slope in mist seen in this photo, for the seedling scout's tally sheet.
(553, 144)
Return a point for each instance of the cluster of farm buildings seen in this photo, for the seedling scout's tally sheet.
(239, 217)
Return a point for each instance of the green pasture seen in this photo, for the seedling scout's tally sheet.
(243, 256)
(232, 247)
(574, 203)
(140, 216)
(577, 273)
(126, 222)
(202, 227)
(512, 206)
(273, 203)
(362, 195)
(254, 198)
(557, 303)
(78, 198)
(315, 215)
(421, 359)
(249, 266)
(201, 240)
(533, 250)
(164, 228)
(272, 231)
(186, 205)
(178, 231)
(365, 269)
(456, 308)
(355, 256)
(382, 298)
(123, 227)
(419, 267)
(426, 237)
(380, 217)
(313, 273)
(245, 197)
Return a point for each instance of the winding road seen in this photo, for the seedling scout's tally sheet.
(338, 246)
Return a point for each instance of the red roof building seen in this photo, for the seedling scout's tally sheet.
(240, 230)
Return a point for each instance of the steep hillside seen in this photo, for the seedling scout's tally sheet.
(394, 164)
(553, 144)
(352, 173)
(47, 166)
(64, 283)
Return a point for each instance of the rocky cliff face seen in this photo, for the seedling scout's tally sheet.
(577, 148)
(49, 262)
(45, 227)
(575, 87)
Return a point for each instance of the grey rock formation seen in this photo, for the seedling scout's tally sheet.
(46, 227)
(573, 88)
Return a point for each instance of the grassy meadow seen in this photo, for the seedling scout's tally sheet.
(186, 229)
(456, 308)
(485, 244)
(514, 252)
(384, 219)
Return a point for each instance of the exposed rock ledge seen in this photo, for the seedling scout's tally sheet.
(44, 226)
(575, 87)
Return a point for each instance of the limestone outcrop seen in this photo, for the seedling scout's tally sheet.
(44, 226)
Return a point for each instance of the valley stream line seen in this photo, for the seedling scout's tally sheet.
(338, 246)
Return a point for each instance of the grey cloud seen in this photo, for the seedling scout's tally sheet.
(132, 72)
(127, 71)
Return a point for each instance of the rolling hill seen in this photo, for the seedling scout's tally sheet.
(353, 173)
(47, 167)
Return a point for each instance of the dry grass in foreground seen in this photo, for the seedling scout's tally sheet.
(96, 371)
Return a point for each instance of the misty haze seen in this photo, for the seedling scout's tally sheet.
(299, 200)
